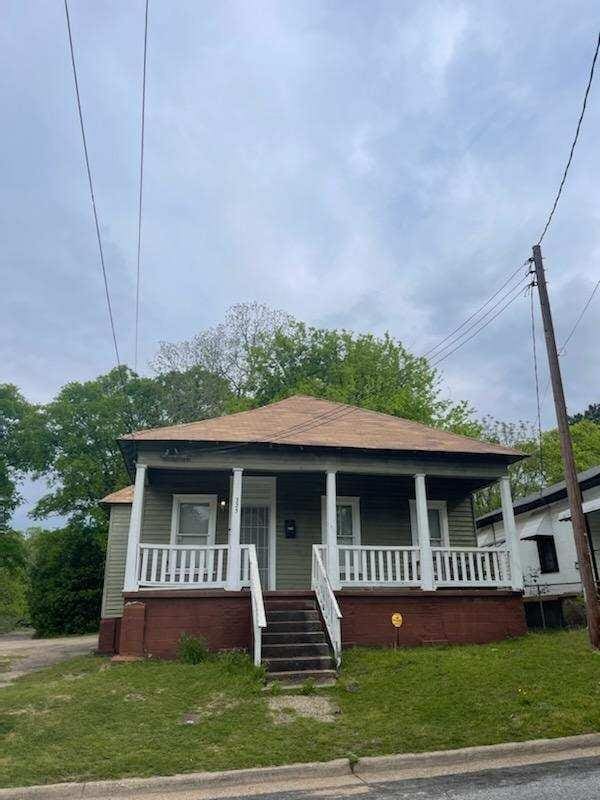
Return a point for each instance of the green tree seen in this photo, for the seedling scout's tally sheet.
(22, 441)
(586, 448)
(13, 579)
(82, 458)
(359, 369)
(544, 465)
(592, 413)
(65, 580)
(226, 350)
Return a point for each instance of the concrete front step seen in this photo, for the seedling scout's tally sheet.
(290, 605)
(293, 637)
(298, 663)
(299, 615)
(295, 650)
(320, 677)
(296, 626)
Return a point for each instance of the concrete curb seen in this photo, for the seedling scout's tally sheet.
(468, 756)
(370, 767)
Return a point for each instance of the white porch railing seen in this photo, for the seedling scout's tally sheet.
(259, 619)
(182, 566)
(471, 566)
(378, 566)
(400, 566)
(327, 602)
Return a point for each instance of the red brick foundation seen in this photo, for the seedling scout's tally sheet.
(453, 617)
(108, 637)
(154, 621)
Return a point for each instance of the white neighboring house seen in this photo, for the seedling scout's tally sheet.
(547, 545)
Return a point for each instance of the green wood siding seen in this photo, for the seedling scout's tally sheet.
(116, 555)
(158, 508)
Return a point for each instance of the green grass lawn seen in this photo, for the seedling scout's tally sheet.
(90, 719)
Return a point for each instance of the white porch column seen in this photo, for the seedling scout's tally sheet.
(333, 559)
(234, 561)
(426, 557)
(510, 534)
(135, 529)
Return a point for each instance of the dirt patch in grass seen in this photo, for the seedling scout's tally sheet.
(285, 707)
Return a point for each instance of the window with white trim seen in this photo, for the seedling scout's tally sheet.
(348, 520)
(194, 519)
(437, 513)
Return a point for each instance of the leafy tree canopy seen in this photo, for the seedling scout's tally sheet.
(538, 471)
(82, 459)
(226, 350)
(359, 369)
(592, 413)
(65, 580)
(22, 437)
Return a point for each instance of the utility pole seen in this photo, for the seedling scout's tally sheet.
(573, 490)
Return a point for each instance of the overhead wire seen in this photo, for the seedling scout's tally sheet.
(91, 186)
(501, 310)
(139, 237)
(479, 320)
(323, 418)
(574, 143)
(477, 312)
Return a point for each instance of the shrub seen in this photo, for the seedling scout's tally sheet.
(13, 581)
(192, 649)
(65, 580)
(574, 612)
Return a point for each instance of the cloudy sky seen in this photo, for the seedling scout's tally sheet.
(373, 165)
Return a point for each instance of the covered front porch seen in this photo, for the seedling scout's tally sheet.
(393, 531)
(340, 536)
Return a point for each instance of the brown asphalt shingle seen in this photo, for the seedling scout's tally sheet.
(124, 495)
(312, 422)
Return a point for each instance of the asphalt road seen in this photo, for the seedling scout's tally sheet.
(564, 780)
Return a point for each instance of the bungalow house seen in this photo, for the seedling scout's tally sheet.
(299, 528)
(546, 543)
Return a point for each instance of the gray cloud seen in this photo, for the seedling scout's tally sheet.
(375, 166)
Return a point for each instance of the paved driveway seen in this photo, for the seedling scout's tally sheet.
(26, 654)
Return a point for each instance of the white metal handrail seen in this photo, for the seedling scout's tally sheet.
(327, 603)
(182, 565)
(471, 566)
(259, 619)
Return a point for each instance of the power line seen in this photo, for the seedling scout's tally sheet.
(579, 318)
(475, 313)
(442, 352)
(563, 347)
(481, 319)
(323, 418)
(481, 328)
(89, 174)
(139, 240)
(564, 177)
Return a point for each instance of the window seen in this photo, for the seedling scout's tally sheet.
(348, 520)
(547, 554)
(437, 513)
(194, 519)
